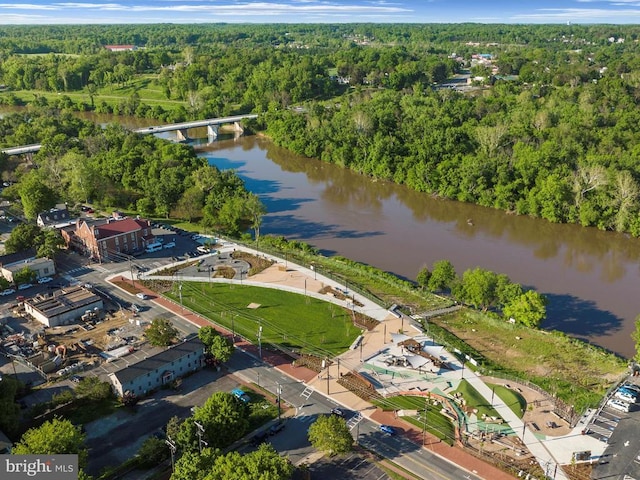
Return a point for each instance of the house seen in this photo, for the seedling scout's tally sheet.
(121, 48)
(64, 307)
(105, 239)
(55, 217)
(14, 262)
(160, 369)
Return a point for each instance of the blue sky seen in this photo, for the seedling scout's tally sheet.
(319, 11)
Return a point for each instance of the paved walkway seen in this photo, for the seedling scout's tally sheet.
(298, 279)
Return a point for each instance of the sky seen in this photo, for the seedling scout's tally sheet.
(319, 11)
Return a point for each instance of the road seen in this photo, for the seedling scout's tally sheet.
(292, 441)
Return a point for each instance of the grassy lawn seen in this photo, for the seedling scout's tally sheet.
(513, 400)
(574, 370)
(293, 320)
(436, 423)
(86, 412)
(260, 409)
(473, 399)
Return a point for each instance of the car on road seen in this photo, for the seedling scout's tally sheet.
(339, 412)
(259, 438)
(388, 429)
(76, 379)
(142, 296)
(8, 291)
(45, 280)
(24, 286)
(276, 427)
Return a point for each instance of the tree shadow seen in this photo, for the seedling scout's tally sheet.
(579, 317)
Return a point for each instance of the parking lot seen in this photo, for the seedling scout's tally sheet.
(619, 430)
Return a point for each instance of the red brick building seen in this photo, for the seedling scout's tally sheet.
(105, 239)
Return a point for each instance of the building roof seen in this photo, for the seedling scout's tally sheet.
(30, 262)
(65, 300)
(11, 258)
(118, 227)
(54, 216)
(159, 360)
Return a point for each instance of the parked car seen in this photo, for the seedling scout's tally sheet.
(618, 405)
(24, 286)
(76, 379)
(8, 291)
(45, 280)
(276, 427)
(169, 245)
(259, 438)
(241, 395)
(388, 429)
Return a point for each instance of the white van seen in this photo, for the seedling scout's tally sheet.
(153, 247)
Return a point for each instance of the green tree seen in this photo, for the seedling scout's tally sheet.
(219, 346)
(24, 275)
(255, 210)
(92, 388)
(22, 237)
(9, 409)
(161, 332)
(49, 243)
(263, 464)
(423, 277)
(152, 452)
(530, 309)
(442, 275)
(224, 418)
(329, 433)
(479, 287)
(193, 465)
(35, 195)
(53, 436)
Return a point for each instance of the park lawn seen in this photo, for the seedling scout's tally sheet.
(293, 320)
(511, 399)
(474, 400)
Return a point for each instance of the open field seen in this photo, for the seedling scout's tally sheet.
(571, 369)
(295, 321)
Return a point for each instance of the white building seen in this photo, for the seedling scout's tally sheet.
(64, 307)
(160, 369)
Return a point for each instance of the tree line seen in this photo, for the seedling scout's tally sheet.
(80, 162)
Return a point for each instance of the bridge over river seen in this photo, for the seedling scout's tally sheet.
(212, 124)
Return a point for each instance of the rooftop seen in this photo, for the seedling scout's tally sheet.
(63, 301)
(159, 360)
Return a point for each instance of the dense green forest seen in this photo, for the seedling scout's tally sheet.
(112, 167)
(558, 140)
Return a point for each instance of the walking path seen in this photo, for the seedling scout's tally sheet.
(377, 342)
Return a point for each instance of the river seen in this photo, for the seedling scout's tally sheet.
(590, 277)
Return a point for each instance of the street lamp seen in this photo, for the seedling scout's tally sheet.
(313, 269)
(260, 341)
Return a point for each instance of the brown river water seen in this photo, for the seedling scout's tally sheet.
(591, 278)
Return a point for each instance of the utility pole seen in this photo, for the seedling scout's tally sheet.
(279, 390)
(200, 432)
(424, 426)
(172, 448)
(260, 342)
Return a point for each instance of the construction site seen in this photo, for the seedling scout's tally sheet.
(97, 335)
